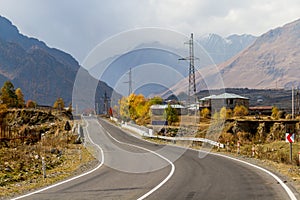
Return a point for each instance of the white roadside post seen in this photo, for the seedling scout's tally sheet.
(253, 150)
(44, 167)
(238, 147)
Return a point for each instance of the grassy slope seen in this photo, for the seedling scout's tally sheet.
(21, 163)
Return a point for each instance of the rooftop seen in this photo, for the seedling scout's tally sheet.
(165, 106)
(224, 96)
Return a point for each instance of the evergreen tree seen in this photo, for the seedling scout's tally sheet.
(8, 95)
(171, 114)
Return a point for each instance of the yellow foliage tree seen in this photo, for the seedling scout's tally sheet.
(59, 104)
(240, 111)
(30, 104)
(136, 107)
(205, 112)
(225, 113)
(124, 108)
(20, 98)
(275, 112)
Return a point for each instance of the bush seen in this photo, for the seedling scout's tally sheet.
(205, 113)
(225, 113)
(30, 104)
(275, 113)
(240, 111)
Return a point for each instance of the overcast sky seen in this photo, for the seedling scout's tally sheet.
(77, 26)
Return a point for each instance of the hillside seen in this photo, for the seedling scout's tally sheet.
(43, 73)
(271, 62)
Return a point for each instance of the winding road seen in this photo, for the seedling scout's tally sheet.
(131, 168)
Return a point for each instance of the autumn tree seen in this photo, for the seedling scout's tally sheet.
(225, 113)
(8, 95)
(30, 104)
(59, 104)
(275, 112)
(136, 104)
(124, 108)
(20, 98)
(3, 110)
(205, 112)
(137, 107)
(240, 111)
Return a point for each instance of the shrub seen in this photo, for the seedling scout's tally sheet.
(205, 113)
(275, 113)
(30, 104)
(225, 113)
(240, 111)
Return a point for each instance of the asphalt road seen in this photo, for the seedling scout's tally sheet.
(132, 167)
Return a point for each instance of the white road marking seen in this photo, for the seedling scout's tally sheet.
(71, 179)
(283, 185)
(164, 158)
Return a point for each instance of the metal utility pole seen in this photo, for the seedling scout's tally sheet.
(96, 108)
(191, 59)
(293, 107)
(129, 82)
(106, 106)
(297, 102)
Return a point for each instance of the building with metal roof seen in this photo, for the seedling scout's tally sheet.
(227, 100)
(160, 109)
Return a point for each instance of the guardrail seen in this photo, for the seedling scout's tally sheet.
(190, 139)
(146, 132)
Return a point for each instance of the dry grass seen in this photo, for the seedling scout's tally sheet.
(21, 167)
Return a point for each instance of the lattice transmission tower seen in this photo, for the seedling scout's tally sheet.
(191, 59)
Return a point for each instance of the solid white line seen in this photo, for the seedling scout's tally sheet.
(283, 185)
(71, 179)
(164, 158)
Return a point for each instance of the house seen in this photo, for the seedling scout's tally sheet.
(158, 119)
(160, 109)
(228, 100)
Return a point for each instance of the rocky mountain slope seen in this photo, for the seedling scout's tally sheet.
(221, 49)
(272, 61)
(43, 73)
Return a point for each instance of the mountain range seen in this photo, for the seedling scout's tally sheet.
(221, 49)
(166, 62)
(43, 73)
(243, 61)
(271, 61)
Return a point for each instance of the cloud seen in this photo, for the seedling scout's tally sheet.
(77, 26)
